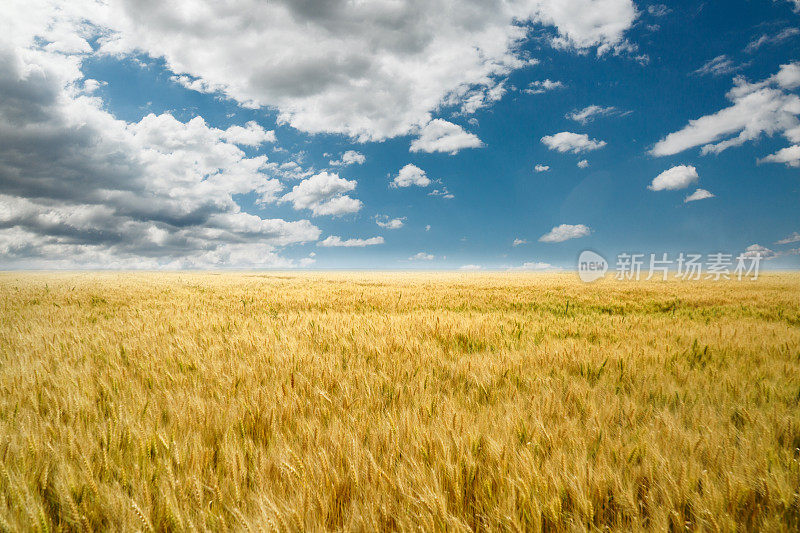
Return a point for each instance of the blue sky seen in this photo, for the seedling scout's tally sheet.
(178, 137)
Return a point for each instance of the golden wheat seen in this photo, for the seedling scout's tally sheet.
(301, 402)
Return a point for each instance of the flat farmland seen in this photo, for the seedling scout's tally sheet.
(397, 401)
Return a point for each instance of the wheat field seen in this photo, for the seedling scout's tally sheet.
(397, 402)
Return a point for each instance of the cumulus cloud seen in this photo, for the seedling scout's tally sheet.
(519, 242)
(678, 177)
(794, 237)
(790, 156)
(389, 223)
(350, 157)
(699, 194)
(583, 163)
(79, 187)
(422, 256)
(543, 86)
(541, 168)
(470, 267)
(589, 113)
(335, 241)
(442, 136)
(410, 175)
(324, 194)
(364, 69)
(757, 250)
(565, 232)
(442, 193)
(571, 142)
(534, 266)
(251, 134)
(760, 108)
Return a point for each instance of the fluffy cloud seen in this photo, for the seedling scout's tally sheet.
(541, 168)
(389, 223)
(571, 142)
(410, 175)
(589, 113)
(335, 241)
(565, 232)
(442, 136)
(422, 256)
(583, 163)
(442, 193)
(350, 157)
(324, 194)
(678, 177)
(470, 267)
(796, 4)
(759, 108)
(790, 156)
(794, 237)
(79, 187)
(762, 251)
(370, 70)
(543, 86)
(699, 194)
(252, 134)
(519, 242)
(534, 266)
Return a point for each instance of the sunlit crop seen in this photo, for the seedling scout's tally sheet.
(379, 402)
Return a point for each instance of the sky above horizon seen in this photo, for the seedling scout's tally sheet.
(396, 134)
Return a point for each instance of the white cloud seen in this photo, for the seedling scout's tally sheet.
(790, 156)
(678, 177)
(442, 193)
(350, 157)
(519, 242)
(571, 142)
(757, 250)
(758, 108)
(441, 136)
(422, 256)
(779, 37)
(470, 267)
(699, 194)
(718, 66)
(796, 5)
(389, 223)
(369, 70)
(534, 266)
(543, 86)
(658, 10)
(252, 134)
(334, 241)
(81, 188)
(324, 194)
(794, 237)
(541, 168)
(583, 163)
(565, 232)
(410, 175)
(589, 113)
(427, 227)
